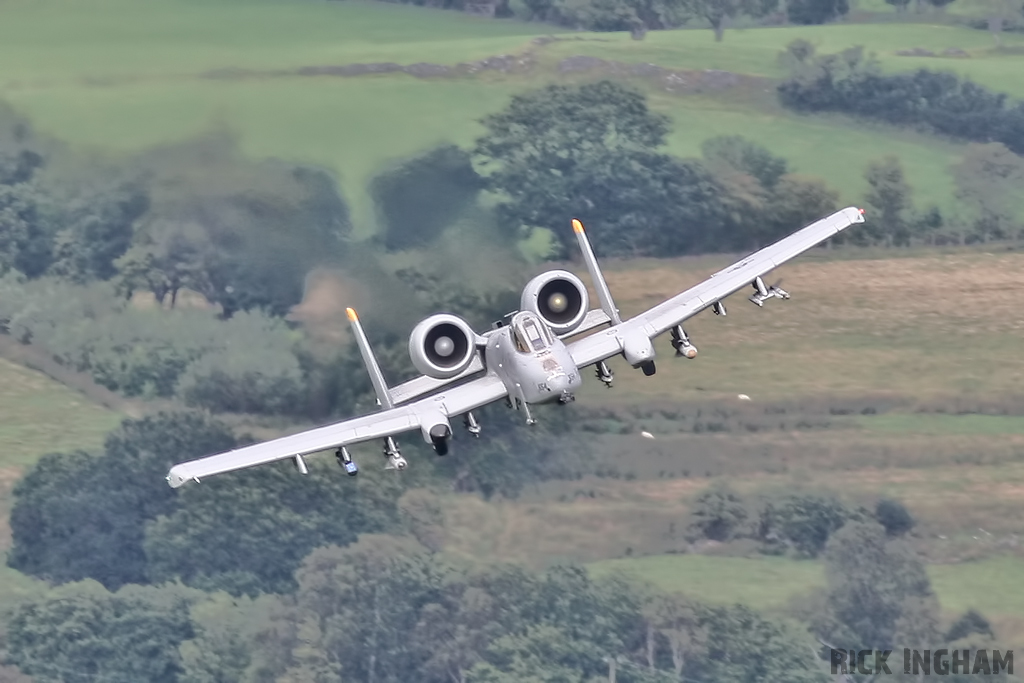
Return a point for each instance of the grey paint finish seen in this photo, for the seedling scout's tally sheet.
(524, 361)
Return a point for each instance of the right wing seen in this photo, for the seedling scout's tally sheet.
(672, 312)
(404, 418)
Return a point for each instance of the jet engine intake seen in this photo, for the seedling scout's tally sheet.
(442, 346)
(559, 298)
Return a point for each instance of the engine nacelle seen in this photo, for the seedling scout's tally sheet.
(559, 298)
(442, 346)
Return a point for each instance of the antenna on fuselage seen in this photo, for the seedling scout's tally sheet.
(501, 323)
(603, 295)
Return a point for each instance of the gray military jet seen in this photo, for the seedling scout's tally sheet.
(525, 362)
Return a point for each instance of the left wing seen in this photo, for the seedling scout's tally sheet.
(643, 328)
(404, 418)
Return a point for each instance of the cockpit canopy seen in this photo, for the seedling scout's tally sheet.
(530, 334)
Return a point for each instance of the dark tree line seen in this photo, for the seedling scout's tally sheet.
(385, 609)
(640, 16)
(112, 518)
(935, 102)
(800, 524)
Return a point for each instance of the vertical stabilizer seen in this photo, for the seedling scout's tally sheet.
(376, 376)
(603, 295)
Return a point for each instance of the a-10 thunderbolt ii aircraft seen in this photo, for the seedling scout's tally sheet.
(526, 361)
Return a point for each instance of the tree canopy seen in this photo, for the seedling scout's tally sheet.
(83, 633)
(879, 595)
(111, 517)
(589, 152)
(79, 515)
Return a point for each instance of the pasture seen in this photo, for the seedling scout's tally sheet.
(772, 583)
(923, 325)
(754, 51)
(115, 77)
(894, 377)
(54, 42)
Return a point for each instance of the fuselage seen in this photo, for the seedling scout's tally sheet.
(534, 364)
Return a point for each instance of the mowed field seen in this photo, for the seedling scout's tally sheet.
(896, 377)
(115, 76)
(922, 324)
(892, 377)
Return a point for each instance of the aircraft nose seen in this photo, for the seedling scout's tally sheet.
(558, 383)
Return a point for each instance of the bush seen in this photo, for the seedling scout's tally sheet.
(254, 370)
(816, 11)
(225, 383)
(717, 514)
(610, 15)
(246, 363)
(80, 516)
(970, 623)
(82, 633)
(246, 532)
(802, 522)
(894, 517)
(423, 196)
(26, 231)
(763, 201)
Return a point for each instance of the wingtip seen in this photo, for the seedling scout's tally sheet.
(577, 227)
(352, 314)
(176, 477)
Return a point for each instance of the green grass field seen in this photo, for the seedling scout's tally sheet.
(42, 416)
(54, 42)
(754, 51)
(16, 588)
(39, 416)
(801, 139)
(386, 119)
(761, 583)
(991, 586)
(116, 76)
(938, 425)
